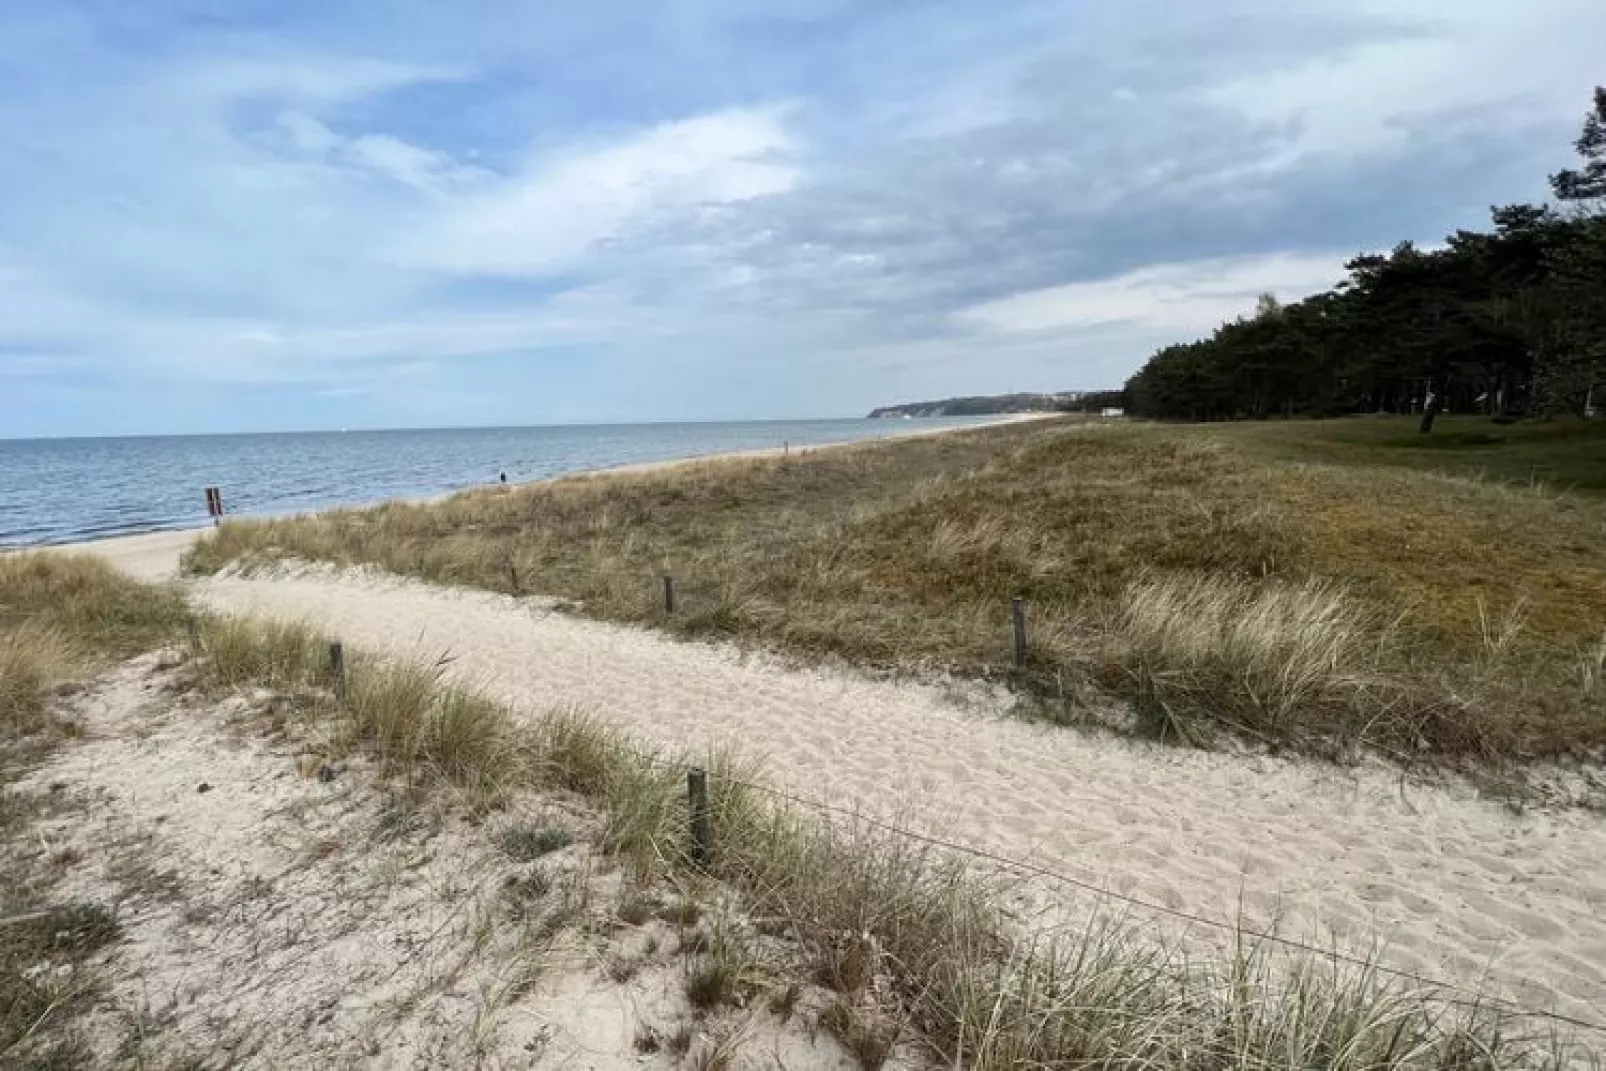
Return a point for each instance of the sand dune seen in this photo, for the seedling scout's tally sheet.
(1450, 885)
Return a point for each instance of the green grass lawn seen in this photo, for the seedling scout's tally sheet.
(1564, 455)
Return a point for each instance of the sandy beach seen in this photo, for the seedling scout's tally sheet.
(1428, 876)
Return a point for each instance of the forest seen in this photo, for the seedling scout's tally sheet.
(1509, 321)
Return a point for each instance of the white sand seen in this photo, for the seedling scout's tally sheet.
(1451, 885)
(153, 556)
(277, 919)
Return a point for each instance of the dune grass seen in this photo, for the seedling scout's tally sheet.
(270, 654)
(34, 1002)
(910, 939)
(1270, 661)
(32, 661)
(1214, 576)
(416, 726)
(61, 614)
(87, 601)
(61, 617)
(913, 942)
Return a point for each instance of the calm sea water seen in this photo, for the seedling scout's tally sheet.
(63, 490)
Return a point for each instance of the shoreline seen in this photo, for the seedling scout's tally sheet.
(155, 555)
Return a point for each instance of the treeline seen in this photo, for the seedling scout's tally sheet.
(1507, 322)
(1096, 401)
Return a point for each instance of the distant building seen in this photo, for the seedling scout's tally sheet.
(1111, 410)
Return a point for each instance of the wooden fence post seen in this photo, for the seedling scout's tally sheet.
(702, 826)
(669, 594)
(1017, 614)
(337, 668)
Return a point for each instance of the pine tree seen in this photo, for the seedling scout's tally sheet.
(1567, 377)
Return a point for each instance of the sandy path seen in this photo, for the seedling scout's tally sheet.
(1452, 886)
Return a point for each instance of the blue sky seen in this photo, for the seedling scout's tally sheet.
(255, 216)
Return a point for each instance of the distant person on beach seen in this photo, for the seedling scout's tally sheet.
(504, 477)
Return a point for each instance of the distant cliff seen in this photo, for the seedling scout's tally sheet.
(997, 403)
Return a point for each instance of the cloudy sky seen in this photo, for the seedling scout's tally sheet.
(281, 214)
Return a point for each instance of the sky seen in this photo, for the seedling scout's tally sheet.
(255, 215)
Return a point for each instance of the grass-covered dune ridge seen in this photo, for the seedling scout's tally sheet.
(1254, 578)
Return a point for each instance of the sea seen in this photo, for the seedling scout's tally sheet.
(70, 490)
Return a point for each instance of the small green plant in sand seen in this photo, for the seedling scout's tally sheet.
(43, 977)
(527, 841)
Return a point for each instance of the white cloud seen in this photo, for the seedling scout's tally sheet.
(256, 351)
(268, 205)
(308, 134)
(377, 154)
(567, 206)
(275, 244)
(24, 365)
(1192, 297)
(405, 163)
(305, 78)
(1481, 53)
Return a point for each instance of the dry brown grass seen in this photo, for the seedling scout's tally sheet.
(904, 556)
(60, 616)
(33, 660)
(1447, 552)
(87, 601)
(1270, 660)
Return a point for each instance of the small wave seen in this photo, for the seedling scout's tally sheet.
(22, 539)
